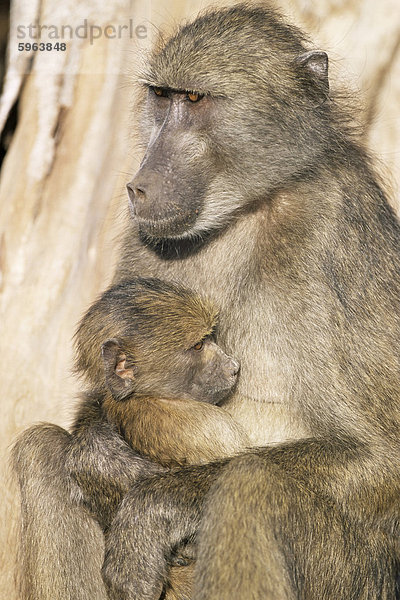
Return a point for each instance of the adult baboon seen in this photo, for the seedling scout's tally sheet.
(255, 191)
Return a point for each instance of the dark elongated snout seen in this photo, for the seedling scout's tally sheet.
(148, 193)
(230, 370)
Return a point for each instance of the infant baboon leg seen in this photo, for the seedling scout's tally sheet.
(156, 516)
(180, 583)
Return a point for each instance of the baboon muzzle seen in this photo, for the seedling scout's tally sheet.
(167, 198)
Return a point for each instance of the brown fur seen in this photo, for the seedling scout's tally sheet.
(176, 432)
(180, 584)
(260, 196)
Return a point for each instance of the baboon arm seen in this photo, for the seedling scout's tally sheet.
(178, 432)
(155, 517)
(61, 476)
(104, 467)
(253, 514)
(62, 547)
(306, 516)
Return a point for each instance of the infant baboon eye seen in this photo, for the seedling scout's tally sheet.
(194, 96)
(199, 345)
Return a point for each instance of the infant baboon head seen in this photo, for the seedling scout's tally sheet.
(149, 337)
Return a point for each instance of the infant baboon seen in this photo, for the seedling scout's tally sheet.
(157, 374)
(160, 372)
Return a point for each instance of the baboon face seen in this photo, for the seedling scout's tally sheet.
(233, 107)
(168, 192)
(163, 346)
(202, 372)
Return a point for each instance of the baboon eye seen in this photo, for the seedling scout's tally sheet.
(194, 96)
(159, 91)
(199, 345)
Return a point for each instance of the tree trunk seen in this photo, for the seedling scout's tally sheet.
(62, 191)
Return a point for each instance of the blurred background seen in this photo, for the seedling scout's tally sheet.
(67, 149)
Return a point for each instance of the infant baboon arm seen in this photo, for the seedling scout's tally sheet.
(177, 432)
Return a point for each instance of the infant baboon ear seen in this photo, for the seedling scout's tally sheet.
(119, 379)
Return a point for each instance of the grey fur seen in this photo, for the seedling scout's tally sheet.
(281, 220)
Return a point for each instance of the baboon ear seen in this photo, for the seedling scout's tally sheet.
(316, 63)
(119, 378)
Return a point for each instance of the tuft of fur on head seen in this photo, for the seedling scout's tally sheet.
(147, 316)
(208, 41)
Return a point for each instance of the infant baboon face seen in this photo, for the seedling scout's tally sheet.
(158, 340)
(202, 372)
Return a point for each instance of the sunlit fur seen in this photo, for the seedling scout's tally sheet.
(305, 269)
(146, 313)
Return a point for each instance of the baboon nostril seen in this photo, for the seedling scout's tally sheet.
(135, 192)
(140, 193)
